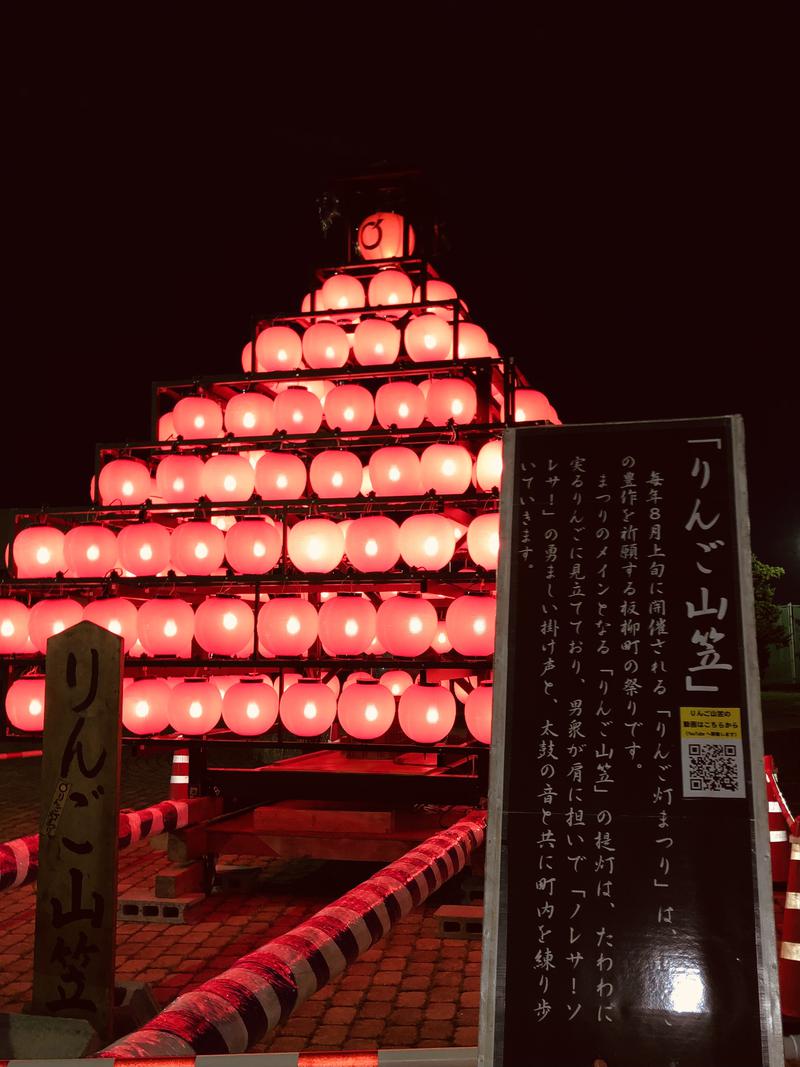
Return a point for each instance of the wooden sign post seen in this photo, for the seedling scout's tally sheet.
(76, 895)
(628, 898)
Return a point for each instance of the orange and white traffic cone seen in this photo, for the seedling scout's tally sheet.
(789, 961)
(179, 779)
(780, 818)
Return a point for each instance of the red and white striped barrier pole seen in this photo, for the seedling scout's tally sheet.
(424, 1057)
(780, 819)
(179, 778)
(789, 959)
(233, 1011)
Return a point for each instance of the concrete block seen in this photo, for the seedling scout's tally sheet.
(42, 1037)
(148, 908)
(460, 920)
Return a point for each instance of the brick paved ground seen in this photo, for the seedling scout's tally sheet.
(412, 990)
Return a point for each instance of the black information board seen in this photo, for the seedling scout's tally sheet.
(628, 910)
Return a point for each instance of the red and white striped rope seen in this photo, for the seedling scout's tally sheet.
(425, 1057)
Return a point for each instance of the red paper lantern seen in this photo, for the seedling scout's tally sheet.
(124, 481)
(166, 627)
(427, 541)
(395, 471)
(335, 474)
(250, 707)
(166, 427)
(380, 236)
(441, 642)
(317, 308)
(399, 404)
(308, 708)
(532, 406)
(145, 706)
(144, 548)
(39, 552)
(248, 363)
(197, 547)
(179, 479)
(278, 348)
(250, 415)
(366, 710)
(253, 546)
(405, 624)
(316, 546)
(483, 540)
(196, 417)
(228, 478)
(470, 624)
(450, 398)
(194, 706)
(297, 411)
(325, 346)
(50, 617)
(346, 624)
(489, 466)
(472, 341)
(25, 704)
(349, 407)
(446, 469)
(390, 287)
(90, 551)
(372, 543)
(341, 291)
(376, 343)
(287, 626)
(13, 627)
(223, 625)
(396, 682)
(117, 615)
(478, 713)
(436, 289)
(427, 338)
(427, 712)
(280, 476)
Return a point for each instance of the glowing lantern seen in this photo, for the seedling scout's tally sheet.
(39, 552)
(437, 290)
(25, 704)
(366, 710)
(166, 627)
(280, 476)
(180, 479)
(90, 551)
(278, 348)
(13, 627)
(124, 481)
(406, 624)
(376, 343)
(223, 625)
(297, 411)
(396, 682)
(478, 713)
(399, 404)
(427, 338)
(341, 291)
(441, 642)
(144, 548)
(427, 712)
(308, 708)
(228, 478)
(197, 547)
(314, 297)
(489, 466)
(50, 617)
(446, 469)
(194, 706)
(346, 624)
(145, 706)
(395, 471)
(166, 427)
(372, 543)
(249, 365)
(356, 676)
(349, 407)
(223, 682)
(284, 680)
(470, 624)
(195, 417)
(390, 287)
(335, 474)
(532, 406)
(483, 540)
(325, 346)
(250, 707)
(253, 546)
(287, 625)
(250, 415)
(315, 546)
(427, 541)
(381, 236)
(472, 341)
(117, 615)
(450, 398)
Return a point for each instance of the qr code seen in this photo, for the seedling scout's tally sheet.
(714, 767)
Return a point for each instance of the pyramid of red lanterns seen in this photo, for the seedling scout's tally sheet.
(335, 506)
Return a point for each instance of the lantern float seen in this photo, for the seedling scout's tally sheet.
(308, 708)
(250, 415)
(196, 417)
(315, 546)
(450, 398)
(50, 617)
(197, 547)
(117, 615)
(335, 474)
(13, 627)
(325, 346)
(144, 548)
(478, 713)
(195, 706)
(366, 709)
(426, 712)
(446, 469)
(389, 287)
(483, 540)
(145, 706)
(349, 408)
(399, 404)
(280, 476)
(395, 471)
(346, 624)
(383, 236)
(166, 627)
(250, 707)
(428, 338)
(278, 348)
(470, 624)
(39, 552)
(427, 541)
(223, 625)
(25, 704)
(124, 481)
(376, 343)
(372, 543)
(297, 410)
(287, 625)
(90, 551)
(253, 546)
(179, 479)
(406, 624)
(228, 478)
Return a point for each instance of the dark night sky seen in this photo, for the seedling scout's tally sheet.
(619, 204)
